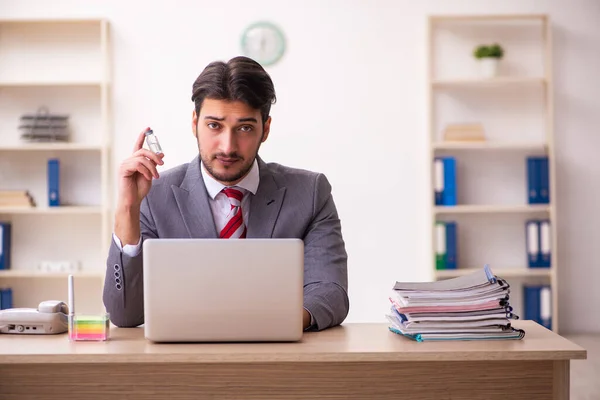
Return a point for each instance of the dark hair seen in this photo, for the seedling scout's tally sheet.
(241, 78)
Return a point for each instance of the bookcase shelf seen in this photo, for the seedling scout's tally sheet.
(50, 83)
(492, 209)
(491, 146)
(30, 274)
(504, 81)
(488, 215)
(61, 210)
(52, 147)
(62, 65)
(501, 272)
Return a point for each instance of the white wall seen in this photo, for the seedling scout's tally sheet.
(352, 104)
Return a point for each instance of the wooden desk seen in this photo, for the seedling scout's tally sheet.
(354, 361)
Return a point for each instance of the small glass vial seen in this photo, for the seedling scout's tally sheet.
(152, 142)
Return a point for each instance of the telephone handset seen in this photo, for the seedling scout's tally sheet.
(51, 317)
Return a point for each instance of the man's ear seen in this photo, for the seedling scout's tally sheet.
(194, 124)
(266, 129)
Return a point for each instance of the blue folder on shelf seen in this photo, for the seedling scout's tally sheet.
(537, 301)
(5, 245)
(445, 181)
(6, 299)
(538, 180)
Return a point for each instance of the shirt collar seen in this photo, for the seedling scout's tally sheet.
(214, 187)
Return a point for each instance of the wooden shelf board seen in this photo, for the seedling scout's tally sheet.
(500, 272)
(488, 17)
(459, 145)
(500, 81)
(52, 20)
(491, 209)
(51, 147)
(58, 83)
(52, 210)
(28, 273)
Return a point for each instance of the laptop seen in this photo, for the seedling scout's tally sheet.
(223, 290)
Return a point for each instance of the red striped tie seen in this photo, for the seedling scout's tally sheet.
(235, 227)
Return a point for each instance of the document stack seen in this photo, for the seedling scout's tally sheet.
(44, 127)
(471, 307)
(16, 198)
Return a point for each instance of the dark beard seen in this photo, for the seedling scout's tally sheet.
(222, 177)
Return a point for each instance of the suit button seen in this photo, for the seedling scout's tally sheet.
(117, 274)
(118, 286)
(117, 267)
(117, 281)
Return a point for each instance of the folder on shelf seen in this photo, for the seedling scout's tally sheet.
(544, 180)
(538, 304)
(533, 181)
(545, 244)
(438, 181)
(449, 181)
(532, 239)
(451, 246)
(440, 245)
(6, 298)
(538, 180)
(53, 182)
(5, 245)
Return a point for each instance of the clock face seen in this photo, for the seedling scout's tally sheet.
(263, 42)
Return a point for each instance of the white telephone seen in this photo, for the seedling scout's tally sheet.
(50, 317)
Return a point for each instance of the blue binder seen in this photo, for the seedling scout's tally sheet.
(545, 259)
(53, 182)
(5, 245)
(531, 302)
(6, 301)
(438, 180)
(451, 246)
(449, 181)
(532, 243)
(538, 304)
(544, 180)
(533, 180)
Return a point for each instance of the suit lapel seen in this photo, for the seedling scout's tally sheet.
(192, 200)
(265, 204)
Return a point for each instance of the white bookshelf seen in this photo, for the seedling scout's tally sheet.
(63, 64)
(516, 111)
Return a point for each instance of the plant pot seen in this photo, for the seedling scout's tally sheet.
(488, 67)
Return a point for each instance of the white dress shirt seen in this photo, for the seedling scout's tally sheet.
(219, 203)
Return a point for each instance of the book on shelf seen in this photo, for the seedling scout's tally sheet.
(16, 198)
(446, 245)
(538, 180)
(444, 171)
(466, 132)
(471, 307)
(538, 243)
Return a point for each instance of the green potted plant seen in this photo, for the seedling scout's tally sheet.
(488, 57)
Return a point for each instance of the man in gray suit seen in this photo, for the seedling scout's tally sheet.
(227, 191)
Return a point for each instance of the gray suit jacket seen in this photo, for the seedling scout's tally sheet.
(289, 203)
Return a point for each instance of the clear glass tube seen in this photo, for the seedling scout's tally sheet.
(152, 142)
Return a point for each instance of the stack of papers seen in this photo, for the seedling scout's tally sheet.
(470, 307)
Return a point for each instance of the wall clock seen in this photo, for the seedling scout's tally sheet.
(263, 42)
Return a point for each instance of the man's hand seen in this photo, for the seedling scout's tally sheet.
(134, 182)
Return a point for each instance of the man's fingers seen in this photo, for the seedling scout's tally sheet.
(139, 143)
(142, 169)
(132, 165)
(157, 158)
